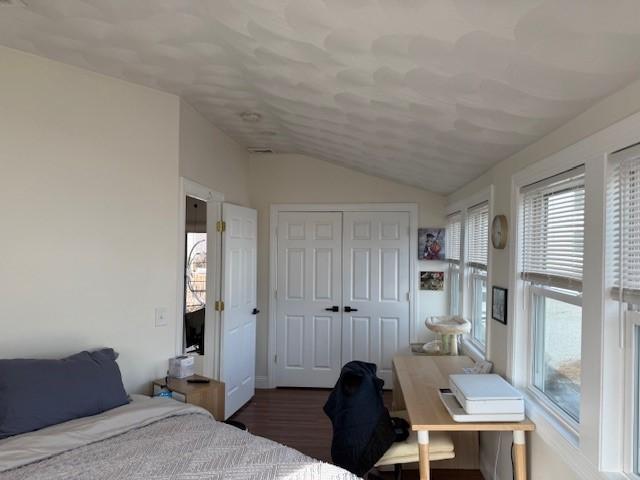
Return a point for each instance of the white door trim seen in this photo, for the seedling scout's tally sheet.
(214, 200)
(410, 208)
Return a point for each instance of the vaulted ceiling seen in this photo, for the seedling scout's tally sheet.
(426, 92)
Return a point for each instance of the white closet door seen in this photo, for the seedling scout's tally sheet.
(376, 288)
(308, 294)
(238, 342)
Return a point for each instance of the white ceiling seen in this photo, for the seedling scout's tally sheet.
(426, 92)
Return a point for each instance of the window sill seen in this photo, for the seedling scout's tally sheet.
(539, 412)
(564, 441)
(470, 349)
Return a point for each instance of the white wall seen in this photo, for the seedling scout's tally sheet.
(545, 463)
(88, 211)
(290, 178)
(89, 187)
(210, 158)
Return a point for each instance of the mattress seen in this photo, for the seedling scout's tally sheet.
(155, 438)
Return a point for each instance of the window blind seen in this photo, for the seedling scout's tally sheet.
(477, 231)
(454, 237)
(553, 230)
(624, 215)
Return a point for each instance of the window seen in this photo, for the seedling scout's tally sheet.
(624, 231)
(453, 252)
(636, 395)
(477, 231)
(552, 264)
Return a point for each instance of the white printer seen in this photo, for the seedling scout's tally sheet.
(482, 398)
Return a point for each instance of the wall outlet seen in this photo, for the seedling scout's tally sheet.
(161, 317)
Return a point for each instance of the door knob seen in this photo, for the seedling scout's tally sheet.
(255, 311)
(349, 309)
(335, 308)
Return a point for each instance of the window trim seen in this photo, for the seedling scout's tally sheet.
(631, 392)
(570, 427)
(454, 294)
(470, 347)
(475, 274)
(598, 446)
(455, 265)
(520, 363)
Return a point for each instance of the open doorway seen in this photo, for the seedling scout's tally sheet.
(198, 323)
(195, 275)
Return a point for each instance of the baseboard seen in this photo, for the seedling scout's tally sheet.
(262, 382)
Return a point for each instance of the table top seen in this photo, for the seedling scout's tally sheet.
(421, 377)
(181, 385)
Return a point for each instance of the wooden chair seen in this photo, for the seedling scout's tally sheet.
(401, 453)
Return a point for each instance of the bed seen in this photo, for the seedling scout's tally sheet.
(154, 438)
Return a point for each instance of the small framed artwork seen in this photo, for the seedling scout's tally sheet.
(499, 304)
(431, 243)
(432, 281)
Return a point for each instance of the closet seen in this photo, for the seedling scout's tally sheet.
(343, 293)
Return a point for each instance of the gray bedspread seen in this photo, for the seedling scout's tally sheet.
(155, 439)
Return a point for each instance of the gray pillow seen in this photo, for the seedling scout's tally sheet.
(37, 393)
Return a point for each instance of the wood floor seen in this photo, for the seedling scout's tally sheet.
(294, 417)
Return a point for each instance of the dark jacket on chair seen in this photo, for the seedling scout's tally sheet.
(362, 428)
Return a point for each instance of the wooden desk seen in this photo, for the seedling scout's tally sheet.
(417, 380)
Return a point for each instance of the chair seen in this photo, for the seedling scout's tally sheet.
(362, 431)
(401, 453)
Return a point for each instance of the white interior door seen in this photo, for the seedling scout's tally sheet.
(238, 341)
(308, 299)
(375, 322)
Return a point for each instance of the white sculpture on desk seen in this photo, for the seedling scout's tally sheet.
(449, 327)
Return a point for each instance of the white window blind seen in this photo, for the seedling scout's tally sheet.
(454, 237)
(553, 230)
(477, 232)
(624, 214)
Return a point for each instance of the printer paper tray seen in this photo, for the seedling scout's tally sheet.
(459, 415)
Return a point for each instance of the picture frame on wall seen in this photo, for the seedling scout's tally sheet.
(499, 304)
(433, 281)
(431, 243)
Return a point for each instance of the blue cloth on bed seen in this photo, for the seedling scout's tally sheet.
(37, 393)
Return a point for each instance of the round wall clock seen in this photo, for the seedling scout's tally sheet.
(499, 232)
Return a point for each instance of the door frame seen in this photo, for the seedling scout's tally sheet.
(414, 281)
(214, 200)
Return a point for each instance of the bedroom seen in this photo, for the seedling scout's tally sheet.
(113, 112)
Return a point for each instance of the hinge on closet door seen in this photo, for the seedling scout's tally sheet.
(275, 359)
(218, 306)
(221, 226)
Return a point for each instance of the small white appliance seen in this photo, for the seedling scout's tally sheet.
(182, 366)
(482, 398)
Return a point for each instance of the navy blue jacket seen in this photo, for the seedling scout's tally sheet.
(362, 428)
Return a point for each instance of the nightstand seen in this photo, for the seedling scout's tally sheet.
(209, 396)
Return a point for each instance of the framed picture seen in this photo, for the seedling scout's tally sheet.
(499, 304)
(431, 243)
(432, 281)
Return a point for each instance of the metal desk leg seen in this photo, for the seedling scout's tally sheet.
(519, 455)
(423, 454)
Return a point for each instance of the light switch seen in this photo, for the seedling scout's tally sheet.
(161, 317)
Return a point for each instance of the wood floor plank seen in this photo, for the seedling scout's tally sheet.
(294, 417)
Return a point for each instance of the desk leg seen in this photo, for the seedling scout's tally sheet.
(519, 455)
(397, 402)
(423, 454)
